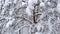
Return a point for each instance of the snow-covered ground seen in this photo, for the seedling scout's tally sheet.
(18, 16)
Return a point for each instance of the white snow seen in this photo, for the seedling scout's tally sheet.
(11, 12)
(9, 23)
(35, 1)
(15, 1)
(49, 3)
(30, 2)
(38, 26)
(3, 11)
(38, 33)
(0, 0)
(42, 4)
(43, 15)
(23, 3)
(6, 2)
(8, 17)
(30, 6)
(28, 11)
(58, 7)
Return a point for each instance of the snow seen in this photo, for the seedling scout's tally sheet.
(42, 4)
(9, 23)
(30, 6)
(11, 12)
(30, 2)
(38, 33)
(15, 1)
(38, 27)
(8, 17)
(28, 11)
(0, 0)
(3, 11)
(23, 3)
(35, 1)
(58, 7)
(43, 15)
(6, 2)
(25, 25)
(49, 3)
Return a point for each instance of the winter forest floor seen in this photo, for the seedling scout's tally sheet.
(29, 16)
